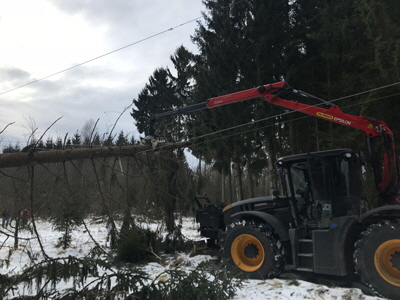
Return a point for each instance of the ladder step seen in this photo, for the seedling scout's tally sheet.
(305, 240)
(305, 269)
(305, 254)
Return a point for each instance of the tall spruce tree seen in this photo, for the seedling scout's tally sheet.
(165, 91)
(382, 28)
(157, 96)
(347, 47)
(122, 139)
(241, 45)
(333, 61)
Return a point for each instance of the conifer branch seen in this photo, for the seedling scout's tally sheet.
(9, 124)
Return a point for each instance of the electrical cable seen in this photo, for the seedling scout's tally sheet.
(282, 114)
(294, 111)
(293, 120)
(100, 56)
(165, 31)
(108, 53)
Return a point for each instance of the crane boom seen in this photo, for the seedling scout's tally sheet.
(279, 93)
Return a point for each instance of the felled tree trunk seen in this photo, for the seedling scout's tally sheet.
(10, 160)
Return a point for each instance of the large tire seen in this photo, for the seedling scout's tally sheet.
(254, 250)
(377, 258)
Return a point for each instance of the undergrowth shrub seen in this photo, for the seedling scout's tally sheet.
(176, 242)
(205, 282)
(120, 281)
(139, 245)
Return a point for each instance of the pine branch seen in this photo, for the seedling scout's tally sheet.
(9, 124)
(34, 147)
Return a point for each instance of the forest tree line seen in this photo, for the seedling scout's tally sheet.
(346, 52)
(340, 51)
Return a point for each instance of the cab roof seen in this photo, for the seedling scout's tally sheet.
(304, 156)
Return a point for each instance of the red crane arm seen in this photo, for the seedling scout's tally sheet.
(386, 173)
(270, 93)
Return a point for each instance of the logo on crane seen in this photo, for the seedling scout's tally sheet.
(325, 116)
(335, 119)
(343, 121)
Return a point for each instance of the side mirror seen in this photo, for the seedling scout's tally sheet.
(275, 193)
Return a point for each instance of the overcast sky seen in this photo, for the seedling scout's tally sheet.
(42, 37)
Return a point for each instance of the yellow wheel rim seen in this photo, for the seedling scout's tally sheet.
(247, 253)
(387, 261)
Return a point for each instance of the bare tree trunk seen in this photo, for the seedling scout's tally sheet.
(316, 134)
(170, 200)
(230, 184)
(32, 173)
(238, 180)
(293, 138)
(199, 181)
(223, 186)
(271, 164)
(16, 240)
(251, 184)
(264, 183)
(128, 220)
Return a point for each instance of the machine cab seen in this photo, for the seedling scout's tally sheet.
(322, 185)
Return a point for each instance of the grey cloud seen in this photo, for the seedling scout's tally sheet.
(102, 12)
(129, 21)
(13, 74)
(76, 107)
(93, 92)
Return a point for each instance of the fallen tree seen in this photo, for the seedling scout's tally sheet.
(33, 157)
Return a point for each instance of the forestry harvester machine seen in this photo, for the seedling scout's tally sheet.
(318, 221)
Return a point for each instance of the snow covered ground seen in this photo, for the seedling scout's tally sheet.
(292, 288)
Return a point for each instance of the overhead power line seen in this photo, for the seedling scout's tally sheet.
(284, 113)
(108, 53)
(294, 111)
(101, 56)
